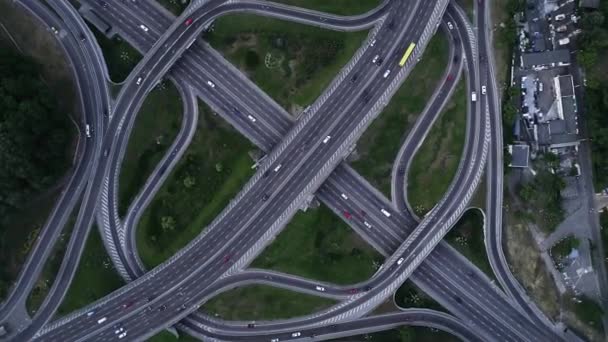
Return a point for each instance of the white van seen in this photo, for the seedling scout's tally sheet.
(276, 169)
(386, 213)
(101, 320)
(87, 130)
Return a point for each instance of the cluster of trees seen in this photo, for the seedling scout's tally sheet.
(593, 43)
(34, 134)
(544, 195)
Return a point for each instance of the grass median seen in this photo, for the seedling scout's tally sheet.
(259, 302)
(292, 63)
(436, 162)
(379, 145)
(212, 171)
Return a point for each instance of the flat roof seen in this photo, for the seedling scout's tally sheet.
(590, 3)
(520, 155)
(566, 85)
(545, 58)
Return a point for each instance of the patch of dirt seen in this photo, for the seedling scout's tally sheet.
(248, 40)
(527, 266)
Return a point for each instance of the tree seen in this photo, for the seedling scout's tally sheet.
(167, 223)
(189, 181)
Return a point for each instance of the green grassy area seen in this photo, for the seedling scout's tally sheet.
(467, 237)
(292, 63)
(588, 311)
(562, 249)
(343, 7)
(156, 126)
(263, 303)
(435, 163)
(469, 7)
(410, 296)
(212, 171)
(317, 244)
(120, 57)
(95, 277)
(404, 334)
(380, 143)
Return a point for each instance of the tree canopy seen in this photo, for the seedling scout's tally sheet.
(34, 134)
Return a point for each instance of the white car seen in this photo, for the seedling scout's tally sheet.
(119, 330)
(367, 224)
(320, 288)
(138, 82)
(274, 340)
(344, 196)
(276, 169)
(373, 42)
(296, 334)
(400, 261)
(376, 57)
(326, 139)
(450, 26)
(101, 320)
(386, 73)
(143, 27)
(122, 335)
(87, 129)
(211, 84)
(251, 118)
(483, 90)
(90, 313)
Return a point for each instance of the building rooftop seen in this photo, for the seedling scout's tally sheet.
(545, 59)
(520, 155)
(590, 3)
(566, 85)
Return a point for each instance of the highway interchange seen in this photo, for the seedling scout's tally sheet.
(307, 166)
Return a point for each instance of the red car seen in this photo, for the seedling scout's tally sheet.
(347, 214)
(353, 291)
(227, 258)
(188, 21)
(450, 77)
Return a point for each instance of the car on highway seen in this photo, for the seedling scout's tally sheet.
(326, 139)
(54, 30)
(296, 334)
(227, 258)
(162, 307)
(277, 168)
(138, 82)
(320, 288)
(449, 78)
(377, 60)
(354, 78)
(344, 196)
(367, 224)
(90, 313)
(352, 291)
(385, 212)
(211, 84)
(372, 43)
(87, 129)
(274, 340)
(128, 304)
(483, 90)
(119, 330)
(143, 27)
(188, 21)
(123, 335)
(400, 261)
(101, 320)
(347, 215)
(450, 26)
(251, 118)
(265, 197)
(386, 73)
(251, 325)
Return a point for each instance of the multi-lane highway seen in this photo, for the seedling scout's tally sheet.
(300, 159)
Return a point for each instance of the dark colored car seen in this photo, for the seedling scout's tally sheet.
(128, 304)
(265, 197)
(251, 325)
(162, 308)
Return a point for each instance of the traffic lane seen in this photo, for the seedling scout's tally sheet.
(415, 317)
